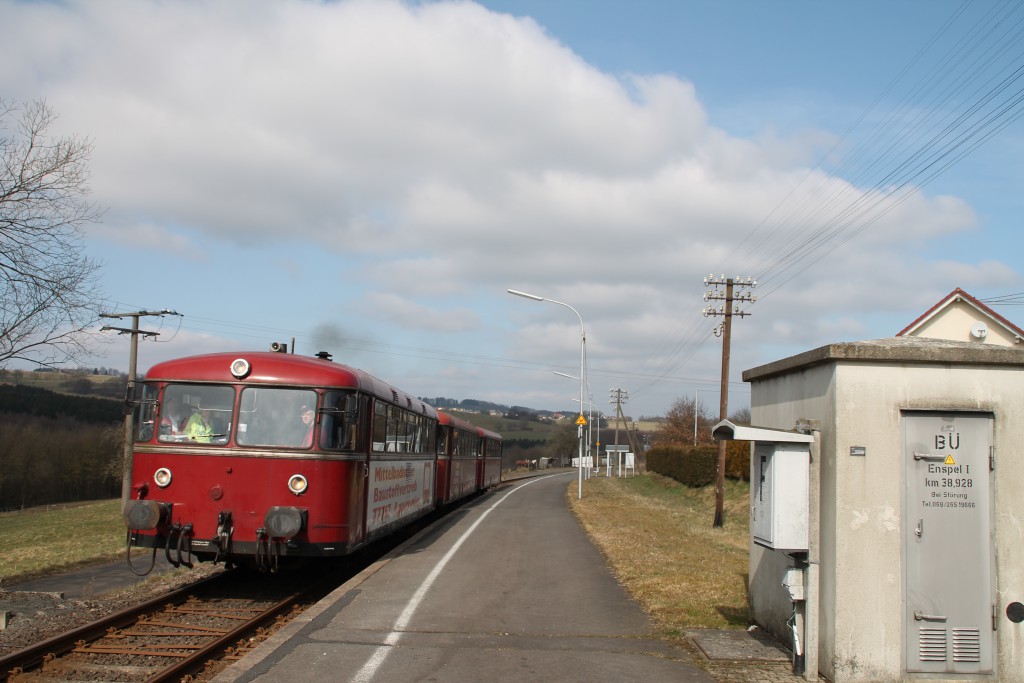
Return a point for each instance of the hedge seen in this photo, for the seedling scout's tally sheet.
(696, 466)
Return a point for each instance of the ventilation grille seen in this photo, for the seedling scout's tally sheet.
(966, 645)
(932, 644)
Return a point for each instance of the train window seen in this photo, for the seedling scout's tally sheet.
(380, 426)
(338, 426)
(196, 413)
(145, 413)
(271, 416)
(396, 439)
(397, 430)
(427, 433)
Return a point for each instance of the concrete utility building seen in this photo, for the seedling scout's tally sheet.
(912, 565)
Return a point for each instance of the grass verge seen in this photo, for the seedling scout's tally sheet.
(40, 541)
(658, 538)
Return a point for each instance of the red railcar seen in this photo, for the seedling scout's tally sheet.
(459, 447)
(490, 464)
(468, 458)
(258, 456)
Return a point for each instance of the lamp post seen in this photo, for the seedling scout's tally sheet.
(583, 368)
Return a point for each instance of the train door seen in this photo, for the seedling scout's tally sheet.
(948, 614)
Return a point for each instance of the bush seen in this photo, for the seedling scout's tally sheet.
(696, 466)
(737, 460)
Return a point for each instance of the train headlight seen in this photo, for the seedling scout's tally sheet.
(240, 368)
(297, 484)
(162, 477)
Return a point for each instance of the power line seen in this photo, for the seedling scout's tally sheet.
(970, 93)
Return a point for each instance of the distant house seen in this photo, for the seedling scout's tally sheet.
(961, 317)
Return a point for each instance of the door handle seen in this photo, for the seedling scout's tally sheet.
(920, 616)
(928, 457)
(919, 530)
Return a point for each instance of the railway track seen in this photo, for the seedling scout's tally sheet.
(171, 637)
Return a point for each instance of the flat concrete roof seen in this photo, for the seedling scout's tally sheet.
(894, 350)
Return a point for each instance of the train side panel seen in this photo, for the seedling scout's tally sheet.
(399, 491)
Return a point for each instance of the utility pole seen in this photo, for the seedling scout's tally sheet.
(618, 397)
(129, 412)
(727, 310)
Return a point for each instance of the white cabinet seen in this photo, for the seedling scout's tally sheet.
(778, 495)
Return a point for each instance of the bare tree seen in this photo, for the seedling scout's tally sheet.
(686, 422)
(48, 290)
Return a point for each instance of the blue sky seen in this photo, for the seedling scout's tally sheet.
(370, 177)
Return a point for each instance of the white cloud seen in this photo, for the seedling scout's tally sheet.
(439, 153)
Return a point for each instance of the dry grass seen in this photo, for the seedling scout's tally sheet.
(660, 543)
(40, 540)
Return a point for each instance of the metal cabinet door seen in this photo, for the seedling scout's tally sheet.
(948, 542)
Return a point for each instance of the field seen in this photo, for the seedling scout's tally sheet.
(36, 541)
(656, 535)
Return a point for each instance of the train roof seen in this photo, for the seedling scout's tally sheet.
(267, 367)
(449, 419)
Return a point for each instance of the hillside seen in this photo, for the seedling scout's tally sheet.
(98, 382)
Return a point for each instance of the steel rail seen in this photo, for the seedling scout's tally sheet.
(63, 643)
(206, 652)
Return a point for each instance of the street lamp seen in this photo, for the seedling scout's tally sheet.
(583, 367)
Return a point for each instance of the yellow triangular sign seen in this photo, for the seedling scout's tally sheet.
(949, 460)
(581, 421)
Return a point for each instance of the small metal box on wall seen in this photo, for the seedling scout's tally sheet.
(778, 501)
(779, 484)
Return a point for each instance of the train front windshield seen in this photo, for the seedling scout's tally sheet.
(271, 416)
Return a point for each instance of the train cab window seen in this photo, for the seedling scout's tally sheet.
(145, 413)
(271, 416)
(340, 421)
(196, 414)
